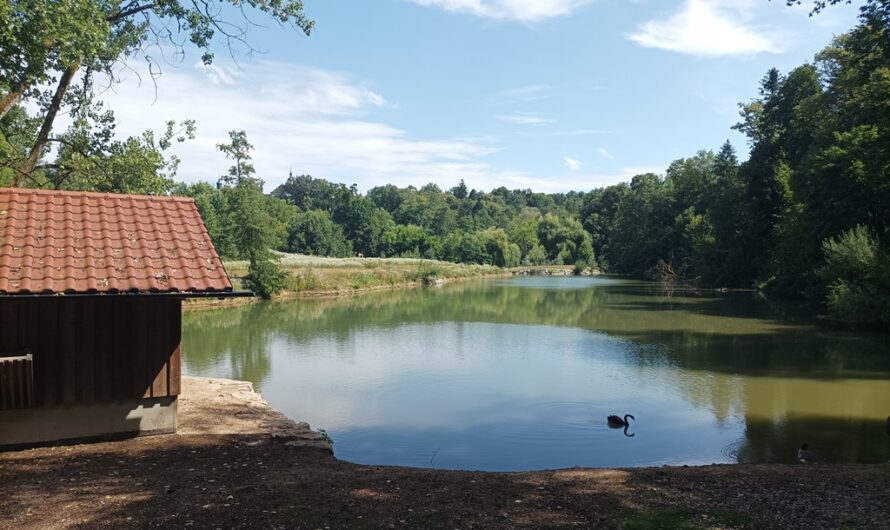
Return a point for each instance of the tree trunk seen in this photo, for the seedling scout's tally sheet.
(9, 101)
(47, 127)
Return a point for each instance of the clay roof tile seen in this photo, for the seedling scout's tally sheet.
(81, 242)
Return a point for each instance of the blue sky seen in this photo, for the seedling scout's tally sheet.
(551, 95)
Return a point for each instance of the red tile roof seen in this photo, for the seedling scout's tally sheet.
(77, 242)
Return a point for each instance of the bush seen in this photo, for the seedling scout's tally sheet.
(857, 278)
(265, 278)
(427, 273)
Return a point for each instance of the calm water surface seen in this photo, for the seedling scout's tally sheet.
(521, 373)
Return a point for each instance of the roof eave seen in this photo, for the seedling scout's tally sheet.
(166, 294)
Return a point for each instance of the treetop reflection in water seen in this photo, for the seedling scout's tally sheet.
(521, 374)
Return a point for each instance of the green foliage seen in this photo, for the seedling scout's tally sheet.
(537, 255)
(807, 211)
(51, 51)
(499, 251)
(253, 229)
(17, 133)
(90, 158)
(315, 233)
(265, 278)
(427, 272)
(857, 275)
(238, 149)
(407, 241)
(500, 228)
(642, 228)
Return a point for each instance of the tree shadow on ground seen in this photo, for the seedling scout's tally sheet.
(257, 482)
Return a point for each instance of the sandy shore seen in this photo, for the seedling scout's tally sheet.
(238, 463)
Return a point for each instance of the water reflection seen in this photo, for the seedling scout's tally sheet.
(520, 374)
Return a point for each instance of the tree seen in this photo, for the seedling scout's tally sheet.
(314, 232)
(407, 241)
(691, 181)
(857, 275)
(598, 213)
(356, 214)
(820, 5)
(524, 231)
(460, 191)
(388, 197)
(501, 252)
(47, 43)
(643, 228)
(309, 193)
(726, 263)
(254, 229)
(238, 149)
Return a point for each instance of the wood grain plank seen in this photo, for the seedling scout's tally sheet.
(120, 371)
(160, 355)
(140, 350)
(9, 326)
(68, 349)
(86, 347)
(46, 327)
(175, 367)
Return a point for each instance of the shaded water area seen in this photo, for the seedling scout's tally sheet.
(521, 373)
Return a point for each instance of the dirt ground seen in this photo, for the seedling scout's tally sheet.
(236, 463)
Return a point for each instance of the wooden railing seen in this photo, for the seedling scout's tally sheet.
(16, 381)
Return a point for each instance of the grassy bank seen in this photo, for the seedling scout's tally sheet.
(313, 273)
(319, 276)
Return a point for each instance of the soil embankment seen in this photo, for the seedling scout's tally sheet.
(237, 463)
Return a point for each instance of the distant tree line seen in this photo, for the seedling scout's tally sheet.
(503, 228)
(807, 215)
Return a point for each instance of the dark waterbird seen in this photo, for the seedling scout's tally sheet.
(616, 422)
(804, 454)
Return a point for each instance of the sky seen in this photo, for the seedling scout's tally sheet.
(551, 95)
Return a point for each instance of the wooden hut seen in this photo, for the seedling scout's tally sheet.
(90, 318)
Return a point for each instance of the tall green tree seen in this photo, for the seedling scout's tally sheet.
(254, 228)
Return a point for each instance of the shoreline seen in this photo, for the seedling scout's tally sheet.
(238, 463)
(199, 304)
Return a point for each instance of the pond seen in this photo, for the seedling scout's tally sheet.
(520, 374)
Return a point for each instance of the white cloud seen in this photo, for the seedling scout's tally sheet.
(307, 120)
(579, 132)
(298, 118)
(573, 164)
(317, 122)
(523, 118)
(577, 180)
(702, 28)
(522, 94)
(515, 10)
(605, 153)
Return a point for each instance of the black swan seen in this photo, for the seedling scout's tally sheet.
(615, 422)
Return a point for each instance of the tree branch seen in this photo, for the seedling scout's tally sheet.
(9, 101)
(46, 128)
(133, 11)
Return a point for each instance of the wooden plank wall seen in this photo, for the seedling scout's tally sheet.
(96, 349)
